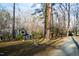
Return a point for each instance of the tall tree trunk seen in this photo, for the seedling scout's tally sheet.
(76, 22)
(48, 18)
(76, 18)
(64, 27)
(52, 33)
(68, 19)
(13, 29)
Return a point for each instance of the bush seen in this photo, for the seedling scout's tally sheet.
(19, 37)
(6, 36)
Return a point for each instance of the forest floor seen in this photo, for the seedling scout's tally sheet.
(58, 47)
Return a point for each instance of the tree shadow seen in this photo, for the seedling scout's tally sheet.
(74, 51)
(76, 43)
(7, 50)
(23, 50)
(37, 49)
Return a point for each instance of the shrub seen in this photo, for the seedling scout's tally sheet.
(19, 37)
(6, 36)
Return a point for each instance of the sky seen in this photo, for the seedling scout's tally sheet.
(22, 6)
(19, 6)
